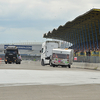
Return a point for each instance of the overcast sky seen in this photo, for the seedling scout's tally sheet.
(28, 20)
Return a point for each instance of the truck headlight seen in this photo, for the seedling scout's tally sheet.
(6, 57)
(14, 57)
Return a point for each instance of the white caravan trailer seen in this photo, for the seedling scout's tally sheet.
(61, 57)
(46, 51)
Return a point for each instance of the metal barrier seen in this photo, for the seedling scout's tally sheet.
(33, 58)
(89, 59)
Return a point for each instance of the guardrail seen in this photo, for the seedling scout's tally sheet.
(27, 57)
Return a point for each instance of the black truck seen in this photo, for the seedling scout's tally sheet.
(12, 55)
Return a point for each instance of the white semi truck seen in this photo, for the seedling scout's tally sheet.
(46, 51)
(62, 57)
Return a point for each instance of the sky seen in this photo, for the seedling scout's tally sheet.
(28, 20)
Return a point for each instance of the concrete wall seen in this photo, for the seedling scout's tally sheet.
(84, 65)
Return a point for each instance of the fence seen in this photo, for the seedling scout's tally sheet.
(89, 59)
(34, 58)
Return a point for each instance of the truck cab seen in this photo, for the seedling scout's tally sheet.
(12, 55)
(46, 51)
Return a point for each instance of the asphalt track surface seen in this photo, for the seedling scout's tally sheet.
(31, 81)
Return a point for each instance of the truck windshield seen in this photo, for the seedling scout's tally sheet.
(62, 56)
(12, 51)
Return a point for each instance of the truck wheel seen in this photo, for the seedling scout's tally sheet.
(42, 63)
(69, 66)
(53, 65)
(19, 62)
(5, 62)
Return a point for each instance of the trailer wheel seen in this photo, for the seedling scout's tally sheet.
(64, 66)
(42, 63)
(53, 65)
(56, 65)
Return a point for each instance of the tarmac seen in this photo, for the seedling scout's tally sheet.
(51, 92)
(86, 82)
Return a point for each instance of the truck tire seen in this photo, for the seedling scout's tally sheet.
(69, 66)
(42, 63)
(19, 62)
(5, 62)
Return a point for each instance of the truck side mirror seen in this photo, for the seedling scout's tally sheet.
(40, 51)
